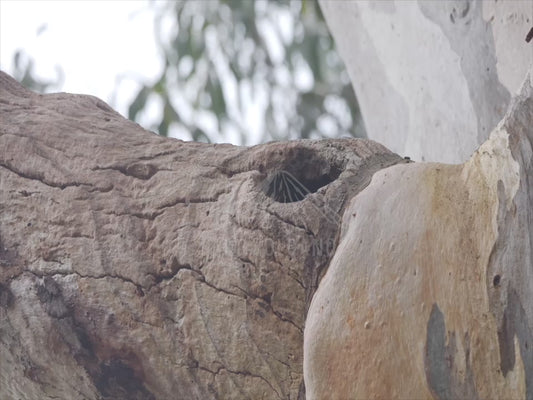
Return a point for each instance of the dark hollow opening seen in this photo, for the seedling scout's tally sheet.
(496, 280)
(302, 173)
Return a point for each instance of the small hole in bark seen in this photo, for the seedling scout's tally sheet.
(496, 280)
(286, 188)
(301, 173)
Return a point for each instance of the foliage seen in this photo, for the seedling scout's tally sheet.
(238, 71)
(23, 71)
(248, 72)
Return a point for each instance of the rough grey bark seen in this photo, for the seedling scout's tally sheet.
(138, 267)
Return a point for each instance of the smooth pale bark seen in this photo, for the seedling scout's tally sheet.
(430, 291)
(432, 78)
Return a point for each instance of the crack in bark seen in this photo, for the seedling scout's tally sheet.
(212, 286)
(288, 271)
(280, 218)
(158, 277)
(278, 314)
(213, 342)
(134, 170)
(166, 276)
(160, 154)
(192, 200)
(150, 216)
(39, 176)
(105, 189)
(241, 373)
(40, 274)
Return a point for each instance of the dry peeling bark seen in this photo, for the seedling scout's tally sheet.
(138, 267)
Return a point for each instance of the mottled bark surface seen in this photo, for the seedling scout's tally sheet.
(138, 267)
(432, 78)
(430, 291)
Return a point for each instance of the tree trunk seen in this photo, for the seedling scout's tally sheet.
(138, 267)
(430, 291)
(432, 78)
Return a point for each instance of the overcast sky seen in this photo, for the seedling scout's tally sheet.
(92, 41)
(108, 49)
